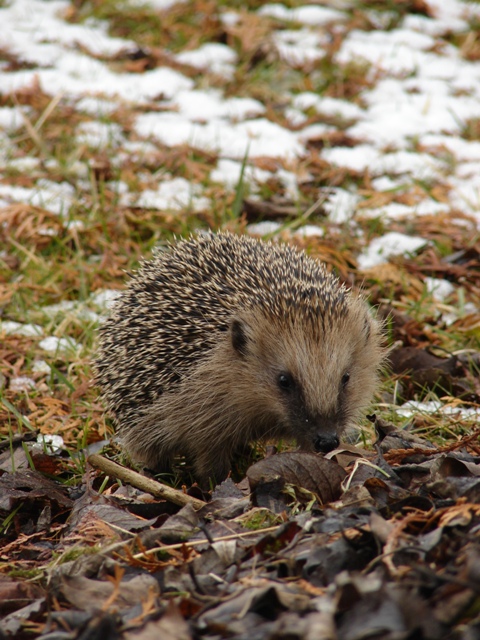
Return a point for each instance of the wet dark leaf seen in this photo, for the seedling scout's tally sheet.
(318, 475)
(178, 528)
(409, 359)
(390, 437)
(16, 594)
(171, 626)
(32, 486)
(91, 595)
(11, 624)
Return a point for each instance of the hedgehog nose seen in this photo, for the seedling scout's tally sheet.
(326, 442)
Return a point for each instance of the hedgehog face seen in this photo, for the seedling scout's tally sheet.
(310, 380)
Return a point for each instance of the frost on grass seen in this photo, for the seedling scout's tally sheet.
(340, 205)
(308, 15)
(327, 106)
(70, 307)
(299, 47)
(62, 346)
(17, 328)
(252, 138)
(104, 298)
(229, 173)
(439, 288)
(37, 33)
(391, 244)
(413, 407)
(55, 197)
(21, 384)
(176, 195)
(99, 135)
(396, 210)
(211, 57)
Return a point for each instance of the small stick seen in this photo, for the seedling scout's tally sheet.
(148, 485)
(194, 543)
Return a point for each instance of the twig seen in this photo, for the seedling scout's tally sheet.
(145, 484)
(195, 543)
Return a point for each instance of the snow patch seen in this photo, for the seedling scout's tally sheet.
(54, 345)
(391, 244)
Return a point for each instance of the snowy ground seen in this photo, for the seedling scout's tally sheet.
(410, 124)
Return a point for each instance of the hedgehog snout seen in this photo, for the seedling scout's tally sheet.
(325, 442)
(321, 429)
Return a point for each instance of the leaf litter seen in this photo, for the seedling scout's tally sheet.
(352, 130)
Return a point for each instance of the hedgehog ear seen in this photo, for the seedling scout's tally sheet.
(239, 337)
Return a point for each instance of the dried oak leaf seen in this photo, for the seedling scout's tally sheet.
(230, 617)
(30, 485)
(15, 594)
(92, 595)
(428, 371)
(389, 437)
(171, 625)
(11, 624)
(409, 359)
(453, 478)
(307, 470)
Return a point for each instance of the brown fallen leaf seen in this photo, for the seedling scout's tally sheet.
(171, 626)
(307, 470)
(389, 437)
(17, 593)
(92, 595)
(407, 359)
(30, 485)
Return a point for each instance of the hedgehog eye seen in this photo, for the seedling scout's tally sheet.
(285, 381)
(345, 379)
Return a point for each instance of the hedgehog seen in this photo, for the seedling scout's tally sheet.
(222, 340)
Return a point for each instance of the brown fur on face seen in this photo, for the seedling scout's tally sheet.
(243, 341)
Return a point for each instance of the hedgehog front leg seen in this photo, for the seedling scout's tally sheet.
(213, 465)
(151, 453)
